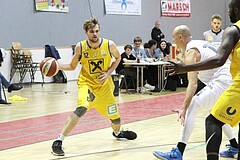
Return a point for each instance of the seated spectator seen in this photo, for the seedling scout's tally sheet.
(127, 57)
(137, 48)
(165, 48)
(7, 84)
(150, 50)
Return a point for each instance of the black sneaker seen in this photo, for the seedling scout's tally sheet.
(4, 102)
(14, 87)
(156, 90)
(57, 148)
(130, 135)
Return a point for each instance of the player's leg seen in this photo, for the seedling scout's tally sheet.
(107, 106)
(213, 137)
(72, 120)
(238, 158)
(203, 99)
(232, 148)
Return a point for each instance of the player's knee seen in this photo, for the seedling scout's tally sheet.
(116, 121)
(80, 111)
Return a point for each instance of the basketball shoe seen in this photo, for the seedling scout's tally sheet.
(57, 148)
(175, 154)
(231, 152)
(130, 135)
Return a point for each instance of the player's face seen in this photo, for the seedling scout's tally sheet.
(93, 34)
(176, 39)
(216, 24)
(231, 13)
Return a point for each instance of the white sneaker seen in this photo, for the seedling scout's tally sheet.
(148, 86)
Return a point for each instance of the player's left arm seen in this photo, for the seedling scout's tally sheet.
(114, 51)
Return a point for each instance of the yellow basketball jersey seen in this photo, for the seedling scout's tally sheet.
(94, 62)
(235, 58)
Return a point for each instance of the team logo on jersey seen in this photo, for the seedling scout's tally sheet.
(86, 55)
(103, 53)
(230, 111)
(94, 55)
(112, 109)
(96, 66)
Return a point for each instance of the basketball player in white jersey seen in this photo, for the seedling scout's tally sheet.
(216, 80)
(214, 35)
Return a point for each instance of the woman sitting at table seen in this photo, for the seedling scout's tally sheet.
(152, 55)
(151, 50)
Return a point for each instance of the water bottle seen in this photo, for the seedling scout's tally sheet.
(138, 57)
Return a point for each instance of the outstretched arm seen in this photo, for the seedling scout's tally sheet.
(229, 40)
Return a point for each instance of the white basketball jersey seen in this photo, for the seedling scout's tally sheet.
(207, 50)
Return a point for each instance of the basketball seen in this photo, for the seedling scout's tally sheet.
(49, 66)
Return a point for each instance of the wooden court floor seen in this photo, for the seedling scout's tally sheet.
(157, 132)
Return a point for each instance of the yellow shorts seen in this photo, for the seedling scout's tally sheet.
(227, 108)
(99, 97)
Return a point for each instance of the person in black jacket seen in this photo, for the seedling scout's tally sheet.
(157, 34)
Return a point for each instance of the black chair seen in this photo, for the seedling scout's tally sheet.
(127, 80)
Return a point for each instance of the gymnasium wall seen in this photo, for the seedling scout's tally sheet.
(20, 22)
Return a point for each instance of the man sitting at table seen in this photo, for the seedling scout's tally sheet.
(127, 57)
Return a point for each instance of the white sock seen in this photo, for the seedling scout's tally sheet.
(60, 137)
(116, 133)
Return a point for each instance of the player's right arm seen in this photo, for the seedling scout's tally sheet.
(75, 60)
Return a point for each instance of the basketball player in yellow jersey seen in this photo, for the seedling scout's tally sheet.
(227, 108)
(95, 86)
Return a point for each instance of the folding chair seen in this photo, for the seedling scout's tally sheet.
(23, 63)
(127, 80)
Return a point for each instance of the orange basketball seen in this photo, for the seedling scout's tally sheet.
(49, 66)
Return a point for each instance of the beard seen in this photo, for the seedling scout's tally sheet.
(94, 39)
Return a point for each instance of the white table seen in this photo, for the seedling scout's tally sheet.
(140, 66)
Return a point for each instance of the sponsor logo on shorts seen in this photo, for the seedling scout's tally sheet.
(228, 114)
(230, 111)
(112, 109)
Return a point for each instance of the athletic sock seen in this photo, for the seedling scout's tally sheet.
(60, 137)
(116, 133)
(233, 143)
(181, 147)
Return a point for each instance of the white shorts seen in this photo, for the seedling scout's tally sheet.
(208, 96)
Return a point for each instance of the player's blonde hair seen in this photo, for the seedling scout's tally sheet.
(90, 23)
